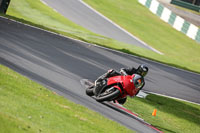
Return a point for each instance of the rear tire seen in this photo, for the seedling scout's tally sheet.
(89, 91)
(122, 101)
(108, 96)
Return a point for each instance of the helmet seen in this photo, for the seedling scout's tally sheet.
(142, 70)
(138, 81)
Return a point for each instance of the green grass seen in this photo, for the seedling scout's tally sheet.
(29, 107)
(37, 14)
(172, 116)
(179, 50)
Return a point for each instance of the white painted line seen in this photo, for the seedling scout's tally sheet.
(100, 46)
(44, 2)
(170, 97)
(109, 50)
(55, 10)
(128, 33)
(48, 5)
(142, 94)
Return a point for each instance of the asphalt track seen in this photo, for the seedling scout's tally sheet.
(80, 14)
(60, 63)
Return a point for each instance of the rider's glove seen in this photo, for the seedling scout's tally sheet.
(123, 72)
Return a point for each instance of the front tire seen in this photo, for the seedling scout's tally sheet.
(89, 90)
(108, 96)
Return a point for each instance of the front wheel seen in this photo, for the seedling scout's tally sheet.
(89, 90)
(108, 95)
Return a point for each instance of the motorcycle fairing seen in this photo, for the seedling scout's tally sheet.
(126, 82)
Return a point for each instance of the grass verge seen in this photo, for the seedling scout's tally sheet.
(26, 106)
(46, 18)
(29, 107)
(172, 116)
(179, 50)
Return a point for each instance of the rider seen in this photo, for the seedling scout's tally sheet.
(142, 70)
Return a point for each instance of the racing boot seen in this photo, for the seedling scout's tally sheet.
(98, 83)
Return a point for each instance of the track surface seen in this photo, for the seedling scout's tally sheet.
(77, 12)
(60, 63)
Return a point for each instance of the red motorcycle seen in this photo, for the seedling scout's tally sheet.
(116, 88)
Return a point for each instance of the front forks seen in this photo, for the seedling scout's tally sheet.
(99, 86)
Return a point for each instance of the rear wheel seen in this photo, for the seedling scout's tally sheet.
(89, 90)
(122, 101)
(108, 95)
